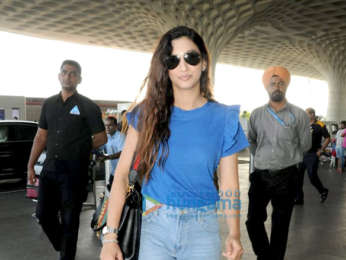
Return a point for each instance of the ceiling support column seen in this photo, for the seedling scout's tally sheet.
(336, 97)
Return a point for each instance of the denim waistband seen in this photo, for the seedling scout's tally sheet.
(156, 208)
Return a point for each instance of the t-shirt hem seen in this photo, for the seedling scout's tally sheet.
(195, 205)
(238, 149)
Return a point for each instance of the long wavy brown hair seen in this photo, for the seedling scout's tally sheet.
(155, 110)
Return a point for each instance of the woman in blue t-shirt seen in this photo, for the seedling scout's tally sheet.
(181, 135)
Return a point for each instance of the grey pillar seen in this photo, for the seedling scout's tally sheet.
(213, 57)
(336, 97)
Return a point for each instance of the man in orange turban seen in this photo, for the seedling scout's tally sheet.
(279, 134)
(276, 76)
(276, 71)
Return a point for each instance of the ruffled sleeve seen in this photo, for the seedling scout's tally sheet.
(234, 139)
(132, 117)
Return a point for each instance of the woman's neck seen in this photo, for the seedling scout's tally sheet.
(188, 100)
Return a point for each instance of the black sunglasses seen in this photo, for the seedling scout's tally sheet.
(193, 58)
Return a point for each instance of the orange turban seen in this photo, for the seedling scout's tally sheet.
(282, 72)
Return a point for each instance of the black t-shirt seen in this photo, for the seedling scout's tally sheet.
(70, 125)
(318, 130)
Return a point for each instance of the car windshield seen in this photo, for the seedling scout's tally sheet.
(3, 134)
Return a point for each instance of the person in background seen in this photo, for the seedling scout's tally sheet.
(311, 158)
(181, 135)
(339, 147)
(244, 120)
(70, 127)
(114, 145)
(278, 134)
(344, 142)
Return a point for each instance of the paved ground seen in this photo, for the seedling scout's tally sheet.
(318, 231)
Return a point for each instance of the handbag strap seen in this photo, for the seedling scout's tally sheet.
(136, 162)
(133, 175)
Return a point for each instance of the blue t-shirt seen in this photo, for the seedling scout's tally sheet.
(199, 139)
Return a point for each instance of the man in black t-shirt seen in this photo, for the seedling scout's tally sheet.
(70, 126)
(311, 158)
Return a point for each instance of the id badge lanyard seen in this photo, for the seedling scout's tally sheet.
(277, 118)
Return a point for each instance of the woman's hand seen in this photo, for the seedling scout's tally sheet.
(233, 248)
(111, 251)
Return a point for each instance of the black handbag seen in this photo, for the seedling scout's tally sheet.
(130, 223)
(130, 220)
(131, 217)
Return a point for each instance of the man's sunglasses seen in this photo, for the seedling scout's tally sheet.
(193, 58)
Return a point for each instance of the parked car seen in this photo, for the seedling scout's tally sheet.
(16, 138)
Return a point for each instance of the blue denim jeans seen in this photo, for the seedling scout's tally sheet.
(340, 155)
(171, 233)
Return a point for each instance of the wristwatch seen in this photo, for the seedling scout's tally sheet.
(107, 230)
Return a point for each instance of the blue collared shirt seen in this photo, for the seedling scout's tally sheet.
(114, 145)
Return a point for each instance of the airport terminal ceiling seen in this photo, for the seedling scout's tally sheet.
(306, 36)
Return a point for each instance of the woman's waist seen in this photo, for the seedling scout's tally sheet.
(152, 206)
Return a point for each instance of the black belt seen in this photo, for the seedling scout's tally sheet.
(274, 172)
